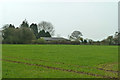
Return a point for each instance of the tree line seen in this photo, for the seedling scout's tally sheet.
(110, 40)
(26, 33)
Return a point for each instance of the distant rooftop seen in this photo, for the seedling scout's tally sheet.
(54, 39)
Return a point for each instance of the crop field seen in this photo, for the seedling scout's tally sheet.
(59, 61)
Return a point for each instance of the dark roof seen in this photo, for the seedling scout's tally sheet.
(53, 38)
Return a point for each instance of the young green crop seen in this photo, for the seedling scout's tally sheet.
(87, 57)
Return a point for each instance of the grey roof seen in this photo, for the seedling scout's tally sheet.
(53, 38)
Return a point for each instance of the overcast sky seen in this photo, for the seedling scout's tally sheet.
(95, 20)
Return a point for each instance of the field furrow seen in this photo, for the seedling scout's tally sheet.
(59, 61)
(55, 68)
(63, 64)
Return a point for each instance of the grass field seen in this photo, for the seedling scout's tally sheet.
(59, 61)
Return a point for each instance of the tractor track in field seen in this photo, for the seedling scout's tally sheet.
(60, 69)
(113, 71)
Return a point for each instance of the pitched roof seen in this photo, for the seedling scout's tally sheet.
(53, 38)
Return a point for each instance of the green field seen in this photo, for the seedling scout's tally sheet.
(59, 61)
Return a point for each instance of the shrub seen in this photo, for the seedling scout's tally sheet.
(39, 41)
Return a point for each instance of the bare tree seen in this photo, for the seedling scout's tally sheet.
(46, 26)
(76, 35)
(90, 41)
(5, 26)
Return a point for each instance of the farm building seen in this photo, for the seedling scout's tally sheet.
(54, 39)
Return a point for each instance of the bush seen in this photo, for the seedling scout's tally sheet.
(75, 42)
(39, 41)
(18, 36)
